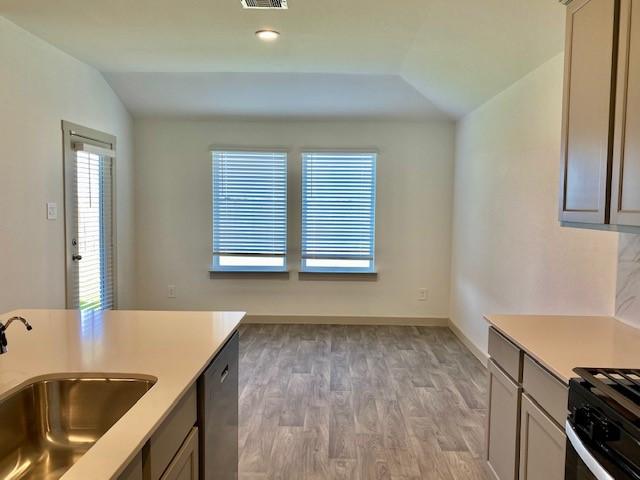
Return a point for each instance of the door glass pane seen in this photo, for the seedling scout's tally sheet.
(93, 239)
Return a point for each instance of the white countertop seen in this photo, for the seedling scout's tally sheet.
(174, 347)
(561, 343)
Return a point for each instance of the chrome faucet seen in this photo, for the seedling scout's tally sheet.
(3, 328)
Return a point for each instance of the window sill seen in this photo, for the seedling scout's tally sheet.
(248, 273)
(328, 275)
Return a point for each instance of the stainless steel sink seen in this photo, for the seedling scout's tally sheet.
(46, 426)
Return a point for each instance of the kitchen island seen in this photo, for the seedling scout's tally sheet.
(172, 348)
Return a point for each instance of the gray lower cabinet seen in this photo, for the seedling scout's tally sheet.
(527, 405)
(542, 444)
(502, 428)
(199, 438)
(184, 465)
(133, 470)
(549, 393)
(164, 444)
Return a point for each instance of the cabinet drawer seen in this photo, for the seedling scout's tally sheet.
(503, 430)
(166, 441)
(543, 444)
(545, 389)
(505, 354)
(184, 465)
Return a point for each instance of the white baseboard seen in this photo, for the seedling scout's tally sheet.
(473, 348)
(347, 320)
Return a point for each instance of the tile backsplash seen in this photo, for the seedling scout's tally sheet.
(628, 282)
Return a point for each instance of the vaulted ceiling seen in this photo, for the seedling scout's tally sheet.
(455, 53)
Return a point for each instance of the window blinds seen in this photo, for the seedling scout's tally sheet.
(92, 216)
(249, 204)
(338, 211)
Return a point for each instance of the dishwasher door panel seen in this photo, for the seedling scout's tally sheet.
(218, 415)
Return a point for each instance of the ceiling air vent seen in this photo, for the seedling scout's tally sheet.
(265, 4)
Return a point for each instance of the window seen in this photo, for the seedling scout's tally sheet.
(249, 210)
(338, 211)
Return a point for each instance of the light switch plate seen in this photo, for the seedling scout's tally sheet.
(52, 211)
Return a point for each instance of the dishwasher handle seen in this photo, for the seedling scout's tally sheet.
(224, 374)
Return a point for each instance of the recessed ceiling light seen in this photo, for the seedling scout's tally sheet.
(267, 35)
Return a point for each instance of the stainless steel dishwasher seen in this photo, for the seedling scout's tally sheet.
(218, 415)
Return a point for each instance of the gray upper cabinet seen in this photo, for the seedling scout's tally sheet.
(589, 99)
(625, 197)
(600, 166)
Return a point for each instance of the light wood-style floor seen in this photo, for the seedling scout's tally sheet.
(359, 402)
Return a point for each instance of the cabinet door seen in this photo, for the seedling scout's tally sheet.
(542, 445)
(184, 465)
(625, 193)
(587, 124)
(504, 420)
(133, 470)
(165, 442)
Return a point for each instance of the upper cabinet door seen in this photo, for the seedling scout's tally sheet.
(625, 192)
(587, 124)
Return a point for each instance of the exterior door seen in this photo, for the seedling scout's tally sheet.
(89, 218)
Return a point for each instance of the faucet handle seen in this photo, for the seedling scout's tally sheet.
(3, 340)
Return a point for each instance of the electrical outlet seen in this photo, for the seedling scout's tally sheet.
(171, 291)
(52, 211)
(423, 294)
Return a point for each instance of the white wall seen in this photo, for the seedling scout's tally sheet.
(39, 87)
(173, 198)
(509, 253)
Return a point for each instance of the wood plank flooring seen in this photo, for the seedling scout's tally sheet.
(325, 402)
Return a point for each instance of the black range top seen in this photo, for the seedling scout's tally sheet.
(603, 428)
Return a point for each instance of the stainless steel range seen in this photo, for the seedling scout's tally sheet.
(603, 427)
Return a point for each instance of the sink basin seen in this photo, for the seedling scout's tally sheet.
(47, 425)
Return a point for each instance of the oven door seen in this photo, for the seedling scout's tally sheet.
(584, 463)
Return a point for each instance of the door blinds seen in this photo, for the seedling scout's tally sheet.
(92, 205)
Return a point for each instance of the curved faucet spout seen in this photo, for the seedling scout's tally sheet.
(18, 319)
(3, 329)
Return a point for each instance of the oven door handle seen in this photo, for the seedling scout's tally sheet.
(589, 460)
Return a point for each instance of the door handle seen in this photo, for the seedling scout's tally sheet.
(76, 258)
(589, 460)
